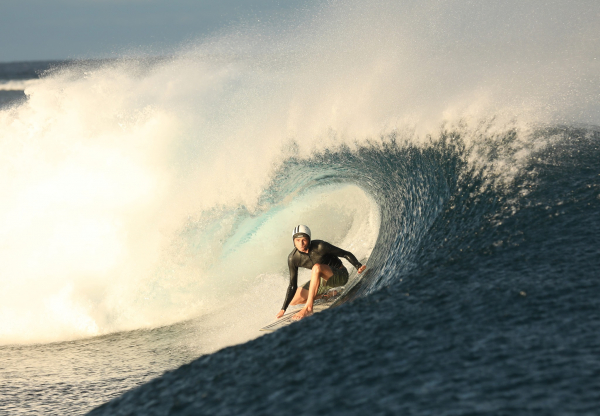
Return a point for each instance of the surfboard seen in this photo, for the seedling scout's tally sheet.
(319, 306)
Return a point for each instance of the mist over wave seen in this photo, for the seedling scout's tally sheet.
(137, 193)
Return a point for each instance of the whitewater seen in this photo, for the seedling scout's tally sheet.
(147, 203)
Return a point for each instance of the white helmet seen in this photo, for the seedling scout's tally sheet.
(301, 231)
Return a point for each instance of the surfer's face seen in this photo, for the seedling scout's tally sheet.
(301, 243)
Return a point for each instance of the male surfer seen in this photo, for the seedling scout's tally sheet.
(327, 270)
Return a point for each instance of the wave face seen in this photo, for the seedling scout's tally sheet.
(481, 293)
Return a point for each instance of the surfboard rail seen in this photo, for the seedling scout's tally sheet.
(319, 306)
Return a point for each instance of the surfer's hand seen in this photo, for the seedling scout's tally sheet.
(280, 314)
(362, 268)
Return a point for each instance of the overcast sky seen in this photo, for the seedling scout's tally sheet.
(65, 29)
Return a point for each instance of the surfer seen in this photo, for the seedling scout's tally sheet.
(327, 269)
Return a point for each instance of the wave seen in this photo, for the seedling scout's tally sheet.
(383, 201)
(16, 85)
(140, 192)
(498, 272)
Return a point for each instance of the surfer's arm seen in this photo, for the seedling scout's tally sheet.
(338, 252)
(293, 286)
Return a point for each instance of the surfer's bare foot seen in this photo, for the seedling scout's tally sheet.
(303, 313)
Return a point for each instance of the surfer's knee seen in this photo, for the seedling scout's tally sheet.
(317, 268)
(322, 270)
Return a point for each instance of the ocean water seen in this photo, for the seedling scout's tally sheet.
(147, 205)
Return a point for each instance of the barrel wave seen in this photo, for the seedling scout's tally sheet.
(477, 277)
(449, 198)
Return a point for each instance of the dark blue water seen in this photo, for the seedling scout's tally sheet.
(481, 295)
(21, 71)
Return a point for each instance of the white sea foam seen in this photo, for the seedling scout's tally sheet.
(107, 173)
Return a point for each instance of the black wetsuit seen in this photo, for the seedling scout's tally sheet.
(320, 252)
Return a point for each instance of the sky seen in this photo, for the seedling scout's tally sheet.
(32, 30)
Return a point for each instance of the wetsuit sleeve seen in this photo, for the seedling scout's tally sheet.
(338, 252)
(293, 286)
